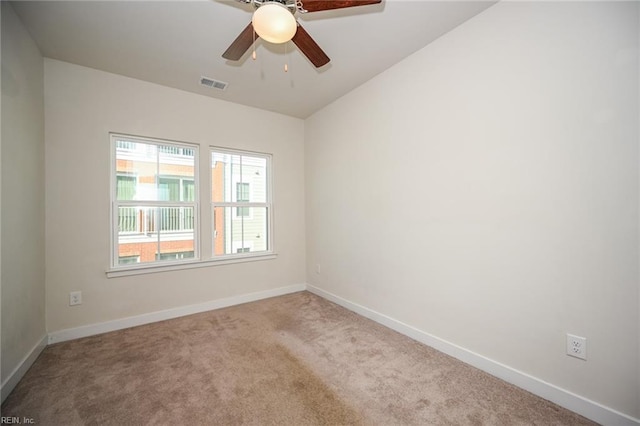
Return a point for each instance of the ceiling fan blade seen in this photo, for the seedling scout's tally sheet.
(318, 5)
(310, 48)
(240, 45)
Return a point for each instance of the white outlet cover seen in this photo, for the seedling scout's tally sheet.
(577, 346)
(75, 298)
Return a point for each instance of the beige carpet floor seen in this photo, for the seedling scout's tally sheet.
(291, 360)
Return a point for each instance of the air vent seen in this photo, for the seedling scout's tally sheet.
(214, 84)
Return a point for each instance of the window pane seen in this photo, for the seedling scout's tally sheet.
(229, 173)
(140, 160)
(153, 172)
(239, 234)
(254, 172)
(149, 233)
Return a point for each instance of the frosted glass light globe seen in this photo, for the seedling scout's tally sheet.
(274, 23)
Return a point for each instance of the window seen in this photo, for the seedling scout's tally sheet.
(156, 188)
(240, 202)
(154, 199)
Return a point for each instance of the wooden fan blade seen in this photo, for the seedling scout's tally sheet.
(309, 47)
(318, 5)
(240, 44)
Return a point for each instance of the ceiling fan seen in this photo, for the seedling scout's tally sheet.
(274, 22)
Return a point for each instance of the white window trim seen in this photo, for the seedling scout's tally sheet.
(152, 268)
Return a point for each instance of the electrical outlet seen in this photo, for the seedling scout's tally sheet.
(577, 346)
(318, 268)
(75, 298)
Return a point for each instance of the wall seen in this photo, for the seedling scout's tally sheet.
(22, 190)
(82, 106)
(485, 191)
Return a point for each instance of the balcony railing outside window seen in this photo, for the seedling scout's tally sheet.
(124, 145)
(147, 220)
(175, 150)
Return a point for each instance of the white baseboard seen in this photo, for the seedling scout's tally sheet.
(24, 365)
(576, 403)
(119, 324)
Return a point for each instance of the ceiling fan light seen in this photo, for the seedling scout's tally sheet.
(274, 23)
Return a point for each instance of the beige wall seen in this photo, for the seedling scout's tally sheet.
(22, 194)
(82, 106)
(485, 190)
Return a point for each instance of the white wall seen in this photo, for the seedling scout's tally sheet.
(82, 106)
(22, 190)
(485, 190)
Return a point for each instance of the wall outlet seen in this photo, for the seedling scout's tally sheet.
(318, 269)
(577, 346)
(75, 298)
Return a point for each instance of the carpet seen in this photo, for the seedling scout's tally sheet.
(297, 359)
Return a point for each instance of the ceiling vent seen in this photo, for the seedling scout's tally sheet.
(214, 84)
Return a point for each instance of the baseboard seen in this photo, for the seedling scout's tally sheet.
(576, 403)
(119, 324)
(24, 365)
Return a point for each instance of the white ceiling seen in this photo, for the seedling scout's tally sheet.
(174, 43)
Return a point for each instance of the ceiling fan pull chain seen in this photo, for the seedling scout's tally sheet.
(286, 65)
(253, 54)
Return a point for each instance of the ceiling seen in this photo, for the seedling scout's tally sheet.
(174, 43)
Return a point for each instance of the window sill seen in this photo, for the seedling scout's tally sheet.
(152, 269)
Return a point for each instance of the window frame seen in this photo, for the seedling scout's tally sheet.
(204, 247)
(115, 266)
(267, 204)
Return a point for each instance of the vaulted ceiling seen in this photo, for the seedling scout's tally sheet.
(175, 43)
